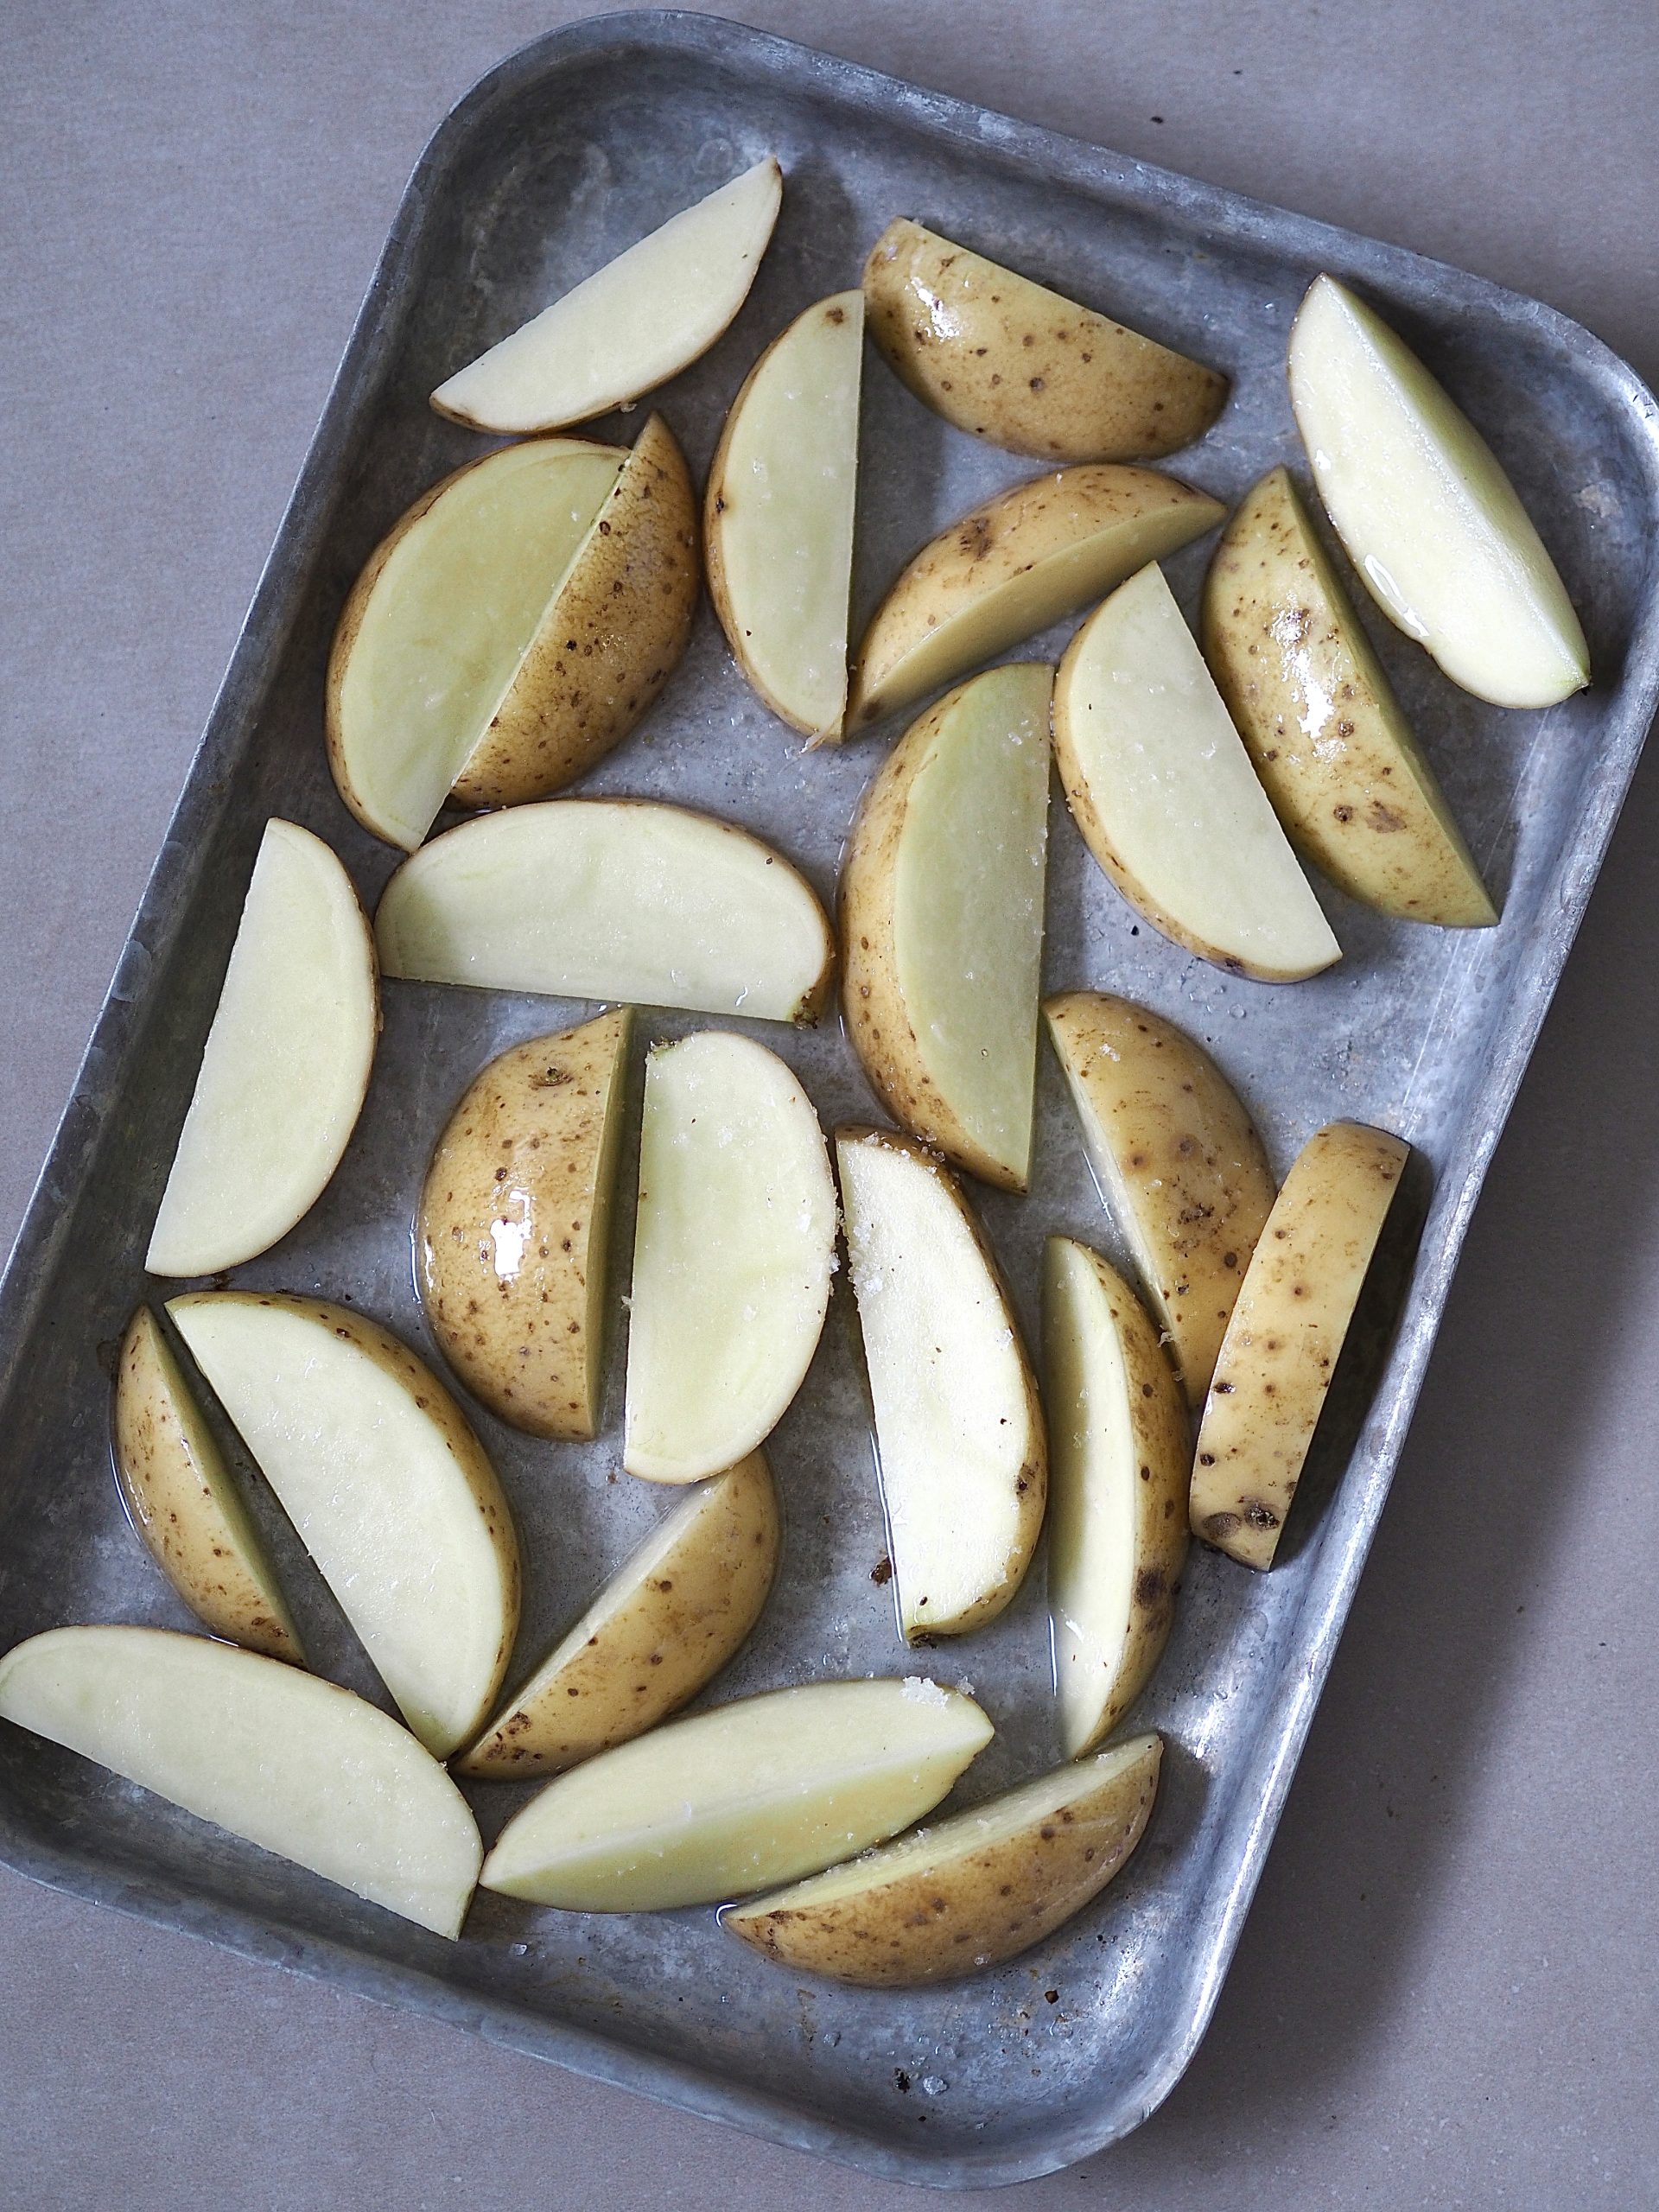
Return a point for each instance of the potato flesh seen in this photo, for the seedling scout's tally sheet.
(298, 1766)
(735, 1244)
(635, 322)
(1428, 516)
(448, 619)
(760, 1791)
(610, 898)
(1164, 793)
(285, 1067)
(382, 1489)
(780, 515)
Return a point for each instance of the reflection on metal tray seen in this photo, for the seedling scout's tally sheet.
(565, 154)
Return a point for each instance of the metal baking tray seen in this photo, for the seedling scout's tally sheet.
(569, 150)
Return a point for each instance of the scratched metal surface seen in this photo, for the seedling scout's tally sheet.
(563, 156)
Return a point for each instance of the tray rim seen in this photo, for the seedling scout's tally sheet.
(279, 592)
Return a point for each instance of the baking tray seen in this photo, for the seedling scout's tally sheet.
(570, 150)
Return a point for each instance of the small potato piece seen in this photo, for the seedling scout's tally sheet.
(514, 1235)
(979, 1888)
(1313, 705)
(1178, 1160)
(1288, 1328)
(1006, 571)
(184, 1504)
(1005, 358)
(661, 1628)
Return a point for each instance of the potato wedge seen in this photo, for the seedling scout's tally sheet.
(1005, 358)
(959, 1429)
(1012, 567)
(634, 323)
(970, 1892)
(512, 1238)
(942, 922)
(1178, 1160)
(611, 899)
(373, 1461)
(298, 1766)
(1163, 791)
(1287, 1331)
(661, 1628)
(777, 516)
(1323, 727)
(1428, 516)
(1119, 1461)
(285, 1068)
(750, 1793)
(734, 1248)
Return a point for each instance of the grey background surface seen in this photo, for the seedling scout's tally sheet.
(1446, 1991)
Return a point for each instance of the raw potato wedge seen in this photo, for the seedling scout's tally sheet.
(959, 1429)
(661, 1628)
(285, 1069)
(942, 922)
(1288, 1328)
(296, 1765)
(1428, 515)
(979, 1888)
(777, 516)
(634, 323)
(734, 1248)
(513, 1234)
(1012, 567)
(373, 1461)
(611, 899)
(1324, 729)
(1162, 789)
(1119, 1467)
(1178, 1160)
(183, 1503)
(1005, 358)
(760, 1791)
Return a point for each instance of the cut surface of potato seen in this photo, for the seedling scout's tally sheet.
(513, 1234)
(634, 323)
(1428, 516)
(1326, 734)
(778, 515)
(373, 1462)
(1007, 358)
(760, 1791)
(611, 899)
(1119, 1464)
(1178, 1160)
(298, 1766)
(959, 1430)
(663, 1625)
(285, 1069)
(1012, 567)
(978, 1888)
(733, 1248)
(1163, 791)
(942, 922)
(1287, 1331)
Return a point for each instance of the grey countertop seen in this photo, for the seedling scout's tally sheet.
(1445, 1994)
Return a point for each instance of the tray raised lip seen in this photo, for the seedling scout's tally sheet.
(283, 580)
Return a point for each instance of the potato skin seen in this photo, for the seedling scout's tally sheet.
(531, 1152)
(1007, 359)
(1315, 706)
(970, 1906)
(179, 1498)
(1286, 1334)
(678, 1627)
(608, 642)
